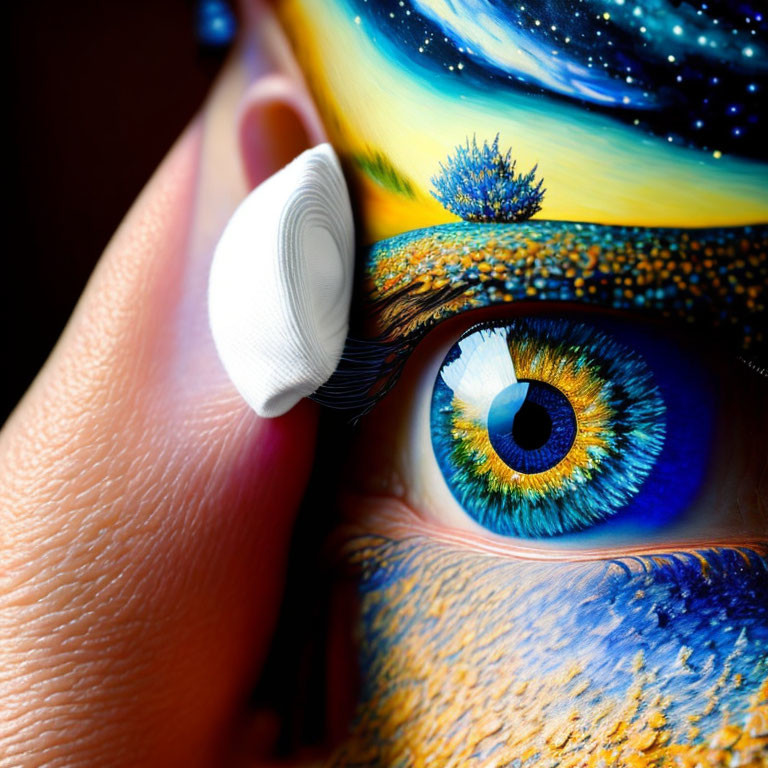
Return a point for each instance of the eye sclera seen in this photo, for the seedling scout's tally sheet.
(405, 413)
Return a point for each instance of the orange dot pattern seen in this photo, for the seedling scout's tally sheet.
(477, 660)
(717, 274)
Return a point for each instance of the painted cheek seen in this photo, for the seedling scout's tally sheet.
(471, 659)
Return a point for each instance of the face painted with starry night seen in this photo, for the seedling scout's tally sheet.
(558, 529)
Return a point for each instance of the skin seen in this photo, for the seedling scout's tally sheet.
(145, 511)
(145, 515)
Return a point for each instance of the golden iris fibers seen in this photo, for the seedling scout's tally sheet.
(543, 426)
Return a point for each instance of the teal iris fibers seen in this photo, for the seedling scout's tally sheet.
(641, 466)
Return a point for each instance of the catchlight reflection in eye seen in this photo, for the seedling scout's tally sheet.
(545, 426)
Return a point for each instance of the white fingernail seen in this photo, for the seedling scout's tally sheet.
(281, 283)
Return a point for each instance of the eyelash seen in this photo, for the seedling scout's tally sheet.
(471, 266)
(369, 369)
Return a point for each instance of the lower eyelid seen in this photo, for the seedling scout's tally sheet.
(393, 518)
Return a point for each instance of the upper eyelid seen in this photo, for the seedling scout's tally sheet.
(414, 276)
(415, 280)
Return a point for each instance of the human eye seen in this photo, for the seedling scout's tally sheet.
(604, 201)
(554, 430)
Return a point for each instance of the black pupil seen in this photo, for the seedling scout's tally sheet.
(532, 426)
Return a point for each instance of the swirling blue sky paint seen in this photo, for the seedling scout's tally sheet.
(691, 72)
(499, 41)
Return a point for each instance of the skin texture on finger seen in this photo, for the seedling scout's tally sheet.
(145, 510)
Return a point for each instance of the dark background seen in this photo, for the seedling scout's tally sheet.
(98, 92)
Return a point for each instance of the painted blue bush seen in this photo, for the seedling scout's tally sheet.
(480, 184)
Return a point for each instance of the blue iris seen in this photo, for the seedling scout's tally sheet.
(531, 425)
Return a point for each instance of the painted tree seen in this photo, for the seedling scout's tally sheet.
(480, 184)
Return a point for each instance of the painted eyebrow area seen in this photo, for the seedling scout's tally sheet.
(714, 278)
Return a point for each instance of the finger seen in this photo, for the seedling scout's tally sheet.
(145, 510)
